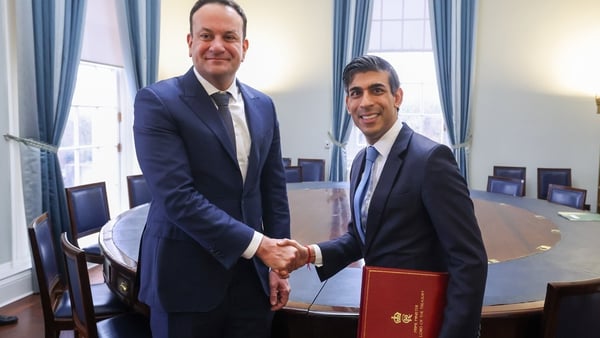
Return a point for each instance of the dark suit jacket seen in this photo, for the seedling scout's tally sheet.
(202, 216)
(420, 217)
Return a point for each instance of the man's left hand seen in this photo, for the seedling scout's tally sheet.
(280, 291)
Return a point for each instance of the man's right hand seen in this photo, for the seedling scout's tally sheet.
(282, 259)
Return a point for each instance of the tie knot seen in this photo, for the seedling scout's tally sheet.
(221, 98)
(371, 154)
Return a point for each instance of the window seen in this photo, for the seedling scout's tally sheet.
(400, 33)
(97, 143)
(90, 146)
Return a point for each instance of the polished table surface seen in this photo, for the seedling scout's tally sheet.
(528, 245)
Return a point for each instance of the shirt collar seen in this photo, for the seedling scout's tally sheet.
(210, 89)
(385, 143)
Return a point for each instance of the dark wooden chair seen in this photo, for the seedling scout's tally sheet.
(286, 161)
(505, 185)
(312, 169)
(88, 212)
(513, 172)
(572, 309)
(546, 176)
(137, 190)
(54, 294)
(293, 174)
(129, 324)
(565, 195)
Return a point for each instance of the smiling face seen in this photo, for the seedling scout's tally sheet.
(372, 104)
(217, 44)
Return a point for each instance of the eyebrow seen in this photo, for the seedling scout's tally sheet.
(376, 85)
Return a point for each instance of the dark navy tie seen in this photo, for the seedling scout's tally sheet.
(363, 186)
(222, 101)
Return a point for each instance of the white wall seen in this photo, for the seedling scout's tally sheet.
(538, 68)
(536, 76)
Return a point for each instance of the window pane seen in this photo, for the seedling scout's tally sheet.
(66, 159)
(412, 99)
(427, 38)
(392, 9)
(68, 134)
(413, 35)
(391, 35)
(84, 121)
(376, 10)
(95, 87)
(375, 37)
(414, 9)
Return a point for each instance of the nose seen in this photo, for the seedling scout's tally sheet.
(366, 99)
(217, 44)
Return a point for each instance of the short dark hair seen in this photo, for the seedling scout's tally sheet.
(367, 63)
(228, 3)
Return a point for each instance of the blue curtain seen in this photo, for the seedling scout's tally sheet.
(349, 41)
(139, 23)
(57, 35)
(453, 24)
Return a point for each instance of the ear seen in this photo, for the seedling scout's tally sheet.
(245, 45)
(347, 110)
(398, 95)
(189, 43)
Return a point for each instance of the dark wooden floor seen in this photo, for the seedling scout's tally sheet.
(29, 312)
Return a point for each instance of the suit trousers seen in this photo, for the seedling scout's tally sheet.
(244, 313)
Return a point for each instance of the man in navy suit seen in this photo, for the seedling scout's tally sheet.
(416, 212)
(218, 204)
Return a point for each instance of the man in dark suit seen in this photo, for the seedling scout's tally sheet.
(219, 201)
(416, 211)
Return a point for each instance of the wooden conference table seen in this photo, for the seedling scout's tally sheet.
(528, 245)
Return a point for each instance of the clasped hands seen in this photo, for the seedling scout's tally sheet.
(282, 255)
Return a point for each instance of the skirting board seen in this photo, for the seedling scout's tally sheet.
(15, 287)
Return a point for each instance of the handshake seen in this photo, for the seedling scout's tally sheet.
(284, 255)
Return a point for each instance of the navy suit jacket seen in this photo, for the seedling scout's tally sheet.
(203, 215)
(420, 217)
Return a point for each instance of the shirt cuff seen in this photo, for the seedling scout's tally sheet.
(253, 246)
(318, 255)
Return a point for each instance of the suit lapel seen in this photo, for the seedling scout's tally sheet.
(198, 100)
(389, 175)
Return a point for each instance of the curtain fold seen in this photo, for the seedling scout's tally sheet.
(453, 30)
(350, 39)
(57, 35)
(139, 23)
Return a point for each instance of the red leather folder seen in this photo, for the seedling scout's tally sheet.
(401, 303)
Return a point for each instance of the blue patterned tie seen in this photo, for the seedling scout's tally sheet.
(222, 101)
(359, 194)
